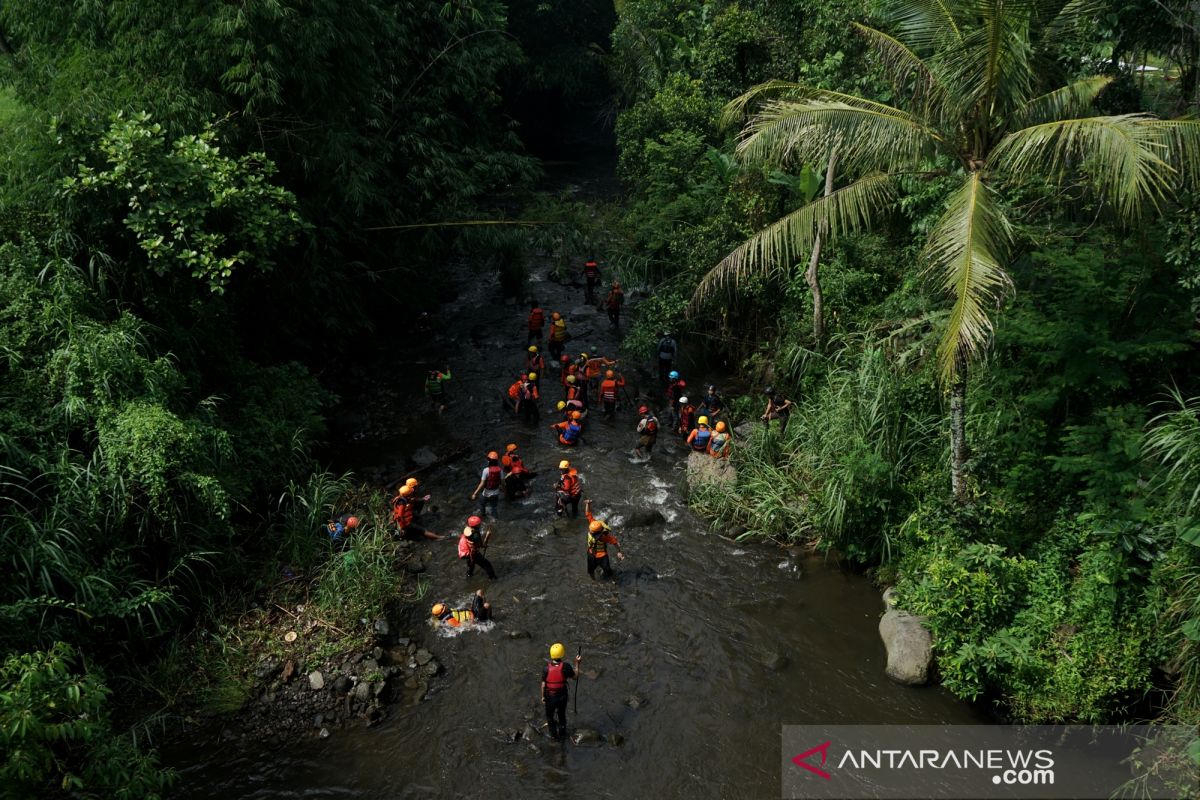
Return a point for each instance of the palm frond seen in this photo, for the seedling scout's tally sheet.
(870, 136)
(1127, 153)
(992, 69)
(908, 73)
(735, 110)
(925, 24)
(968, 247)
(1182, 137)
(1072, 100)
(1055, 19)
(781, 244)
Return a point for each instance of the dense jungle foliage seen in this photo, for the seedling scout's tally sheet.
(204, 203)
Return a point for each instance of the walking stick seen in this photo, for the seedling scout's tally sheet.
(576, 709)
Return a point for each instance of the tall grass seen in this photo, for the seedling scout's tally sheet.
(838, 475)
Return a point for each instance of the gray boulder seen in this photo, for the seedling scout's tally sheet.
(703, 470)
(645, 519)
(909, 645)
(316, 680)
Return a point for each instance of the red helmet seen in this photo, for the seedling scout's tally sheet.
(493, 455)
(565, 358)
(474, 521)
(681, 383)
(643, 410)
(352, 523)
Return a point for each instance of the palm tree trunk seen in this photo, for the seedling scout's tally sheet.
(958, 432)
(811, 275)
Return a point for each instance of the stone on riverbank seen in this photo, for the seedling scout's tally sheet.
(909, 645)
(704, 470)
(645, 519)
(316, 681)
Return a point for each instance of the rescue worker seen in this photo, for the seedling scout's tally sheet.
(490, 481)
(418, 503)
(667, 349)
(435, 388)
(404, 515)
(700, 436)
(537, 319)
(514, 393)
(592, 368)
(686, 416)
(712, 404)
(516, 482)
(558, 335)
(647, 429)
(569, 431)
(567, 490)
(574, 391)
(535, 362)
(719, 444)
(591, 278)
(616, 299)
(575, 405)
(471, 544)
(554, 689)
(778, 407)
(600, 536)
(675, 389)
(480, 611)
(609, 387)
(529, 400)
(337, 528)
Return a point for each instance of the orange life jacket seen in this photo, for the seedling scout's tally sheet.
(536, 319)
(402, 513)
(569, 485)
(608, 388)
(514, 391)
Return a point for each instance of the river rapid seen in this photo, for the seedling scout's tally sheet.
(695, 655)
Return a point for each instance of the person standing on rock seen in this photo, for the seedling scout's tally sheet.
(490, 482)
(667, 349)
(616, 299)
(600, 536)
(555, 675)
(480, 611)
(647, 429)
(537, 320)
(471, 544)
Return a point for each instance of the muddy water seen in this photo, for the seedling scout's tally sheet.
(725, 642)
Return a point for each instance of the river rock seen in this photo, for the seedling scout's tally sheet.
(909, 645)
(382, 629)
(586, 736)
(289, 671)
(316, 680)
(268, 668)
(775, 661)
(362, 692)
(518, 634)
(370, 665)
(324, 733)
(530, 733)
(423, 657)
(645, 519)
(424, 457)
(342, 684)
(414, 567)
(615, 739)
(378, 688)
(432, 668)
(704, 470)
(635, 701)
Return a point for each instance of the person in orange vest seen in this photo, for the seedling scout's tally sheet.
(513, 395)
(537, 319)
(593, 367)
(567, 490)
(480, 611)
(404, 515)
(490, 481)
(471, 544)
(534, 362)
(418, 502)
(529, 400)
(719, 444)
(558, 335)
(600, 536)
(609, 387)
(516, 483)
(569, 431)
(591, 277)
(616, 298)
(554, 689)
(647, 429)
(574, 391)
(687, 416)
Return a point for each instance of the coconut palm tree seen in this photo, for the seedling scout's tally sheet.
(972, 77)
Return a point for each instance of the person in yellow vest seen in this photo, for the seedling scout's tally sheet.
(558, 335)
(480, 611)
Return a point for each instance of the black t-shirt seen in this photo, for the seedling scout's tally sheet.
(568, 672)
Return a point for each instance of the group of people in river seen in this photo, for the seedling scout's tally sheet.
(587, 381)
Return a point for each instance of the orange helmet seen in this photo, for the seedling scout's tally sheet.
(506, 461)
(406, 490)
(595, 526)
(411, 482)
(352, 523)
(720, 427)
(508, 448)
(556, 315)
(608, 373)
(493, 455)
(576, 415)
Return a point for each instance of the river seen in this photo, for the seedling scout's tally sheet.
(723, 642)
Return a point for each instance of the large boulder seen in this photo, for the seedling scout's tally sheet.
(909, 645)
(704, 470)
(645, 519)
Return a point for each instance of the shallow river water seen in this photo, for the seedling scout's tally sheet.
(725, 642)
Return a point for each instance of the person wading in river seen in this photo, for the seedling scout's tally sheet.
(490, 481)
(686, 416)
(418, 503)
(569, 431)
(516, 483)
(537, 319)
(558, 335)
(647, 429)
(534, 362)
(555, 675)
(471, 544)
(529, 400)
(609, 387)
(480, 611)
(600, 536)
(567, 490)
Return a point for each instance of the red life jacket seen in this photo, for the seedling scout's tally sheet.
(465, 547)
(651, 426)
(492, 481)
(536, 319)
(402, 513)
(569, 485)
(514, 391)
(556, 681)
(591, 269)
(608, 389)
